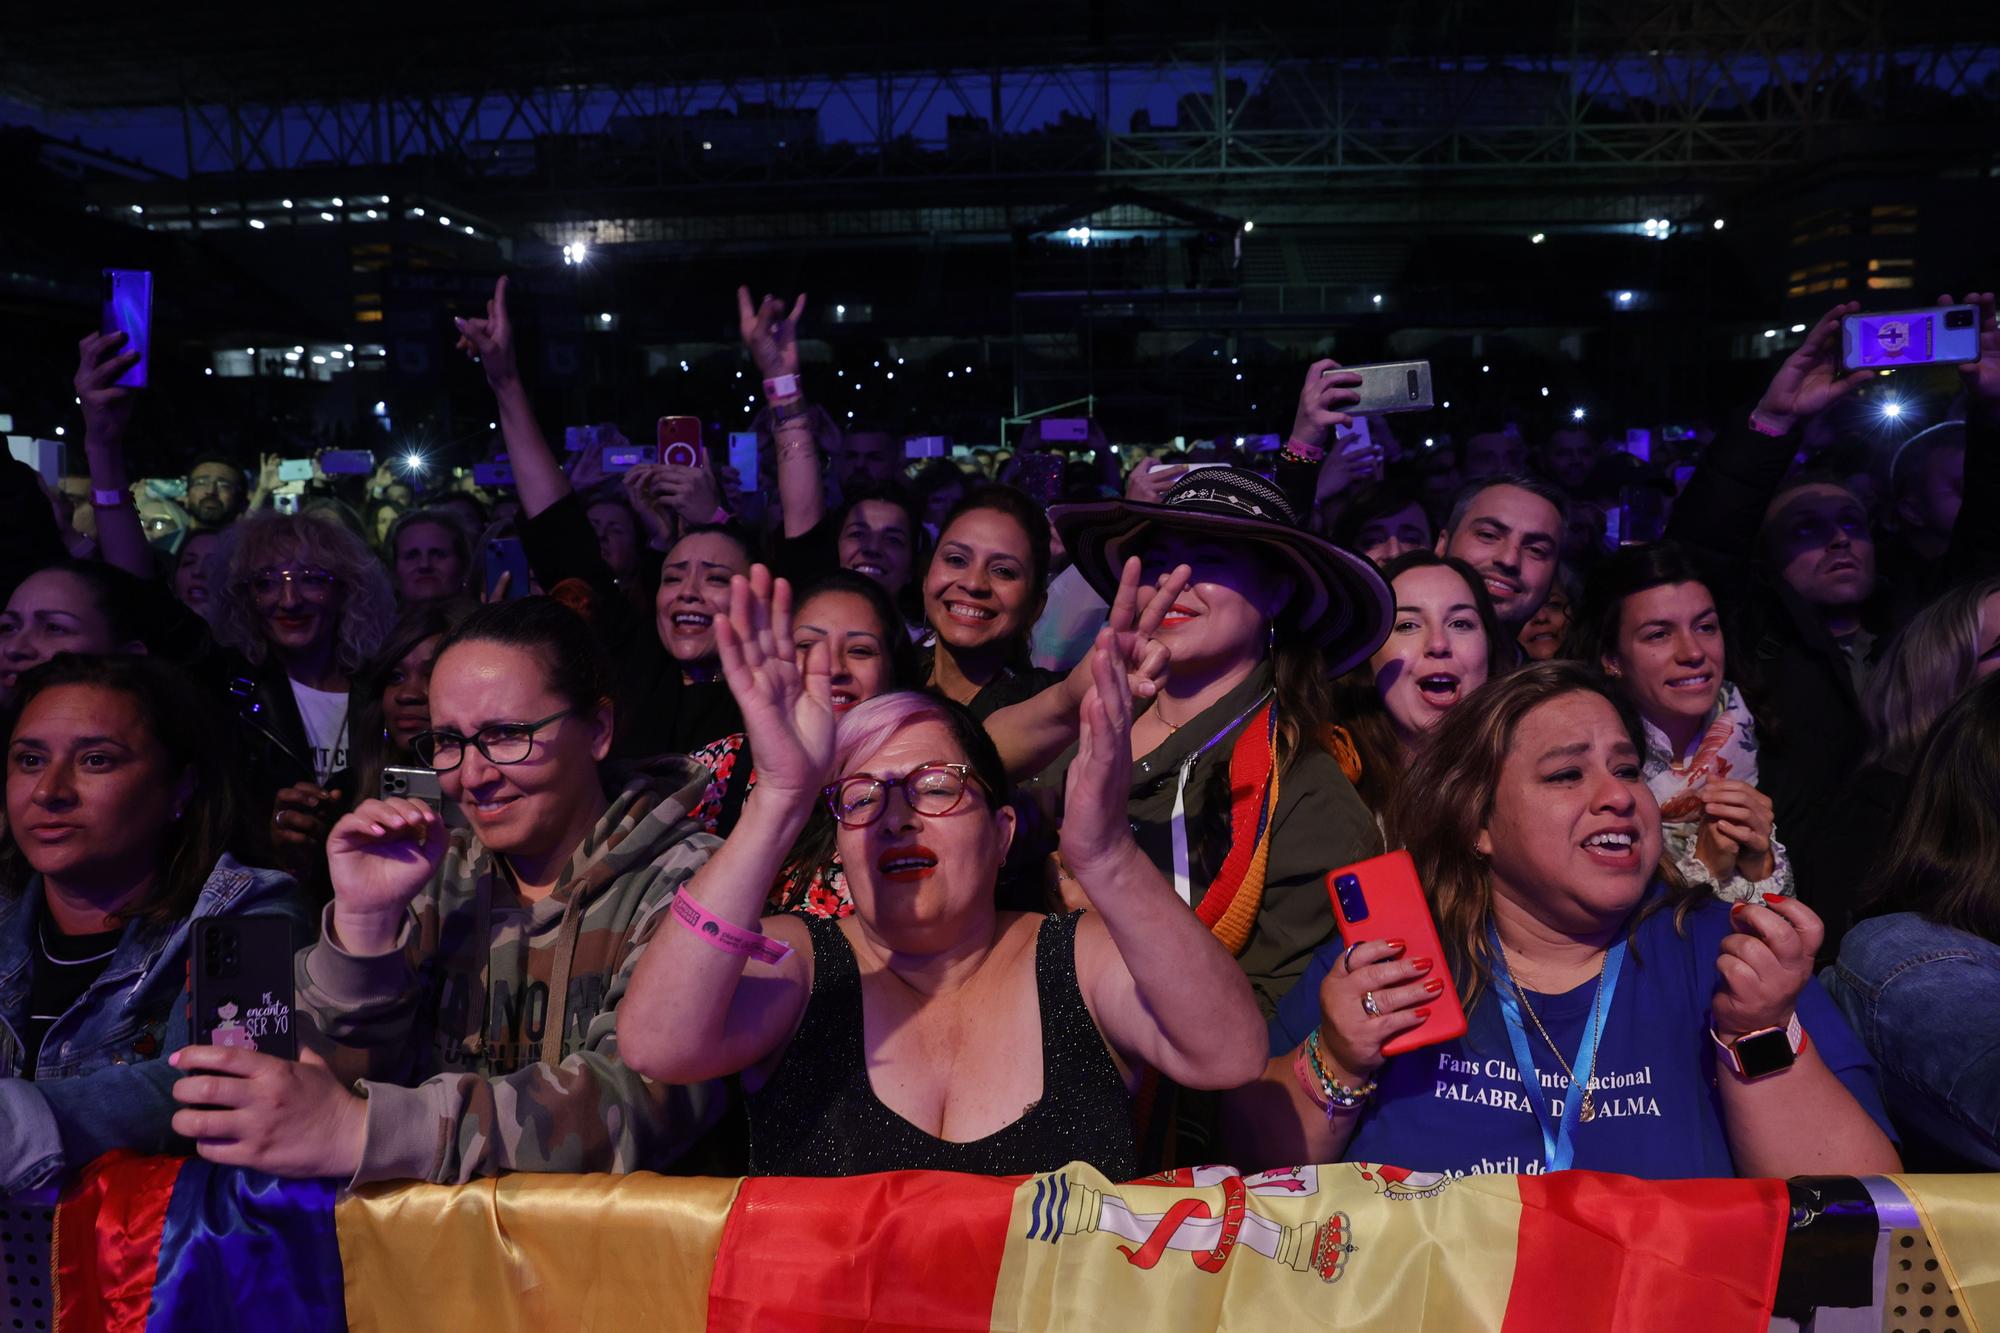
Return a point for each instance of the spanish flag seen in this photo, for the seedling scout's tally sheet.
(158, 1244)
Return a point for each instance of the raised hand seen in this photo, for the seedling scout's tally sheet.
(1810, 380)
(689, 492)
(107, 404)
(787, 704)
(379, 858)
(769, 334)
(1151, 480)
(1320, 400)
(1764, 965)
(1134, 623)
(1095, 824)
(490, 341)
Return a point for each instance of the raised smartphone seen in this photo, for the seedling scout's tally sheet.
(421, 784)
(493, 474)
(1380, 899)
(295, 469)
(1065, 430)
(679, 443)
(346, 463)
(743, 457)
(242, 991)
(926, 446)
(128, 309)
(505, 555)
(1891, 338)
(1390, 386)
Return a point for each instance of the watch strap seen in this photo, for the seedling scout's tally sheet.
(1795, 1037)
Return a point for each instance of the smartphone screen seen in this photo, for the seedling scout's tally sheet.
(128, 309)
(743, 457)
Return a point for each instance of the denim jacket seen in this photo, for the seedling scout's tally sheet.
(103, 1081)
(1925, 999)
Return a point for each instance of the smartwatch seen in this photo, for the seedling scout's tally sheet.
(1766, 1051)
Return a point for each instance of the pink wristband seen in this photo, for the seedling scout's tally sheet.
(784, 386)
(1310, 453)
(721, 935)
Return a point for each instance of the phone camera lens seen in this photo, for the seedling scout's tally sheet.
(1958, 319)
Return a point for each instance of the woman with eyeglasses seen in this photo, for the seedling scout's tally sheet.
(302, 603)
(473, 979)
(913, 1033)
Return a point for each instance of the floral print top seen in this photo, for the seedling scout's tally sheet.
(824, 893)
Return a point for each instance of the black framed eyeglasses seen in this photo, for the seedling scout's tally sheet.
(501, 743)
(935, 789)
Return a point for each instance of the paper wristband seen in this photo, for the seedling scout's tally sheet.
(1310, 453)
(721, 935)
(784, 386)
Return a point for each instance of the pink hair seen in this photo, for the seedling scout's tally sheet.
(868, 726)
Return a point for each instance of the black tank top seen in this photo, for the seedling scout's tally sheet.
(818, 1116)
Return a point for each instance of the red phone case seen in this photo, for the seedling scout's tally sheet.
(1387, 903)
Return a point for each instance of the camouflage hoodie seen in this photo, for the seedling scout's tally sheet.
(486, 1041)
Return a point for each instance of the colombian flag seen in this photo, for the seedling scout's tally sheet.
(157, 1244)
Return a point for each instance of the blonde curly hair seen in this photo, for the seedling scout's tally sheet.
(257, 541)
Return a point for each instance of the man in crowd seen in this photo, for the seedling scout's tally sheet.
(217, 492)
(1566, 457)
(1494, 453)
(1510, 529)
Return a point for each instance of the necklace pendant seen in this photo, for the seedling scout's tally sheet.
(1588, 1113)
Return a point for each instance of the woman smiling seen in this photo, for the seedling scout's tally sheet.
(1654, 629)
(1234, 791)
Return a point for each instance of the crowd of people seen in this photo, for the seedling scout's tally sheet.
(875, 813)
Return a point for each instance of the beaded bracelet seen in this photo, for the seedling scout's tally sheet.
(1325, 1092)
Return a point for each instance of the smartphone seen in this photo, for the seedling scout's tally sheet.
(1640, 518)
(285, 502)
(347, 463)
(421, 784)
(242, 991)
(166, 488)
(679, 443)
(625, 457)
(576, 439)
(493, 474)
(128, 309)
(1065, 430)
(1639, 444)
(743, 456)
(506, 555)
(1380, 899)
(926, 446)
(1041, 476)
(295, 469)
(1910, 337)
(1390, 386)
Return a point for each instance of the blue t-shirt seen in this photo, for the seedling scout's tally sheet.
(1459, 1107)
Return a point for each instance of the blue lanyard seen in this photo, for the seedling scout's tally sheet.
(1557, 1151)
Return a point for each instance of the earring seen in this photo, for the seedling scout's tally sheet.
(1271, 641)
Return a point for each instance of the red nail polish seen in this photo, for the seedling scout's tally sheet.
(1435, 986)
(1736, 908)
(1422, 1013)
(1422, 965)
(1397, 945)
(1774, 898)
